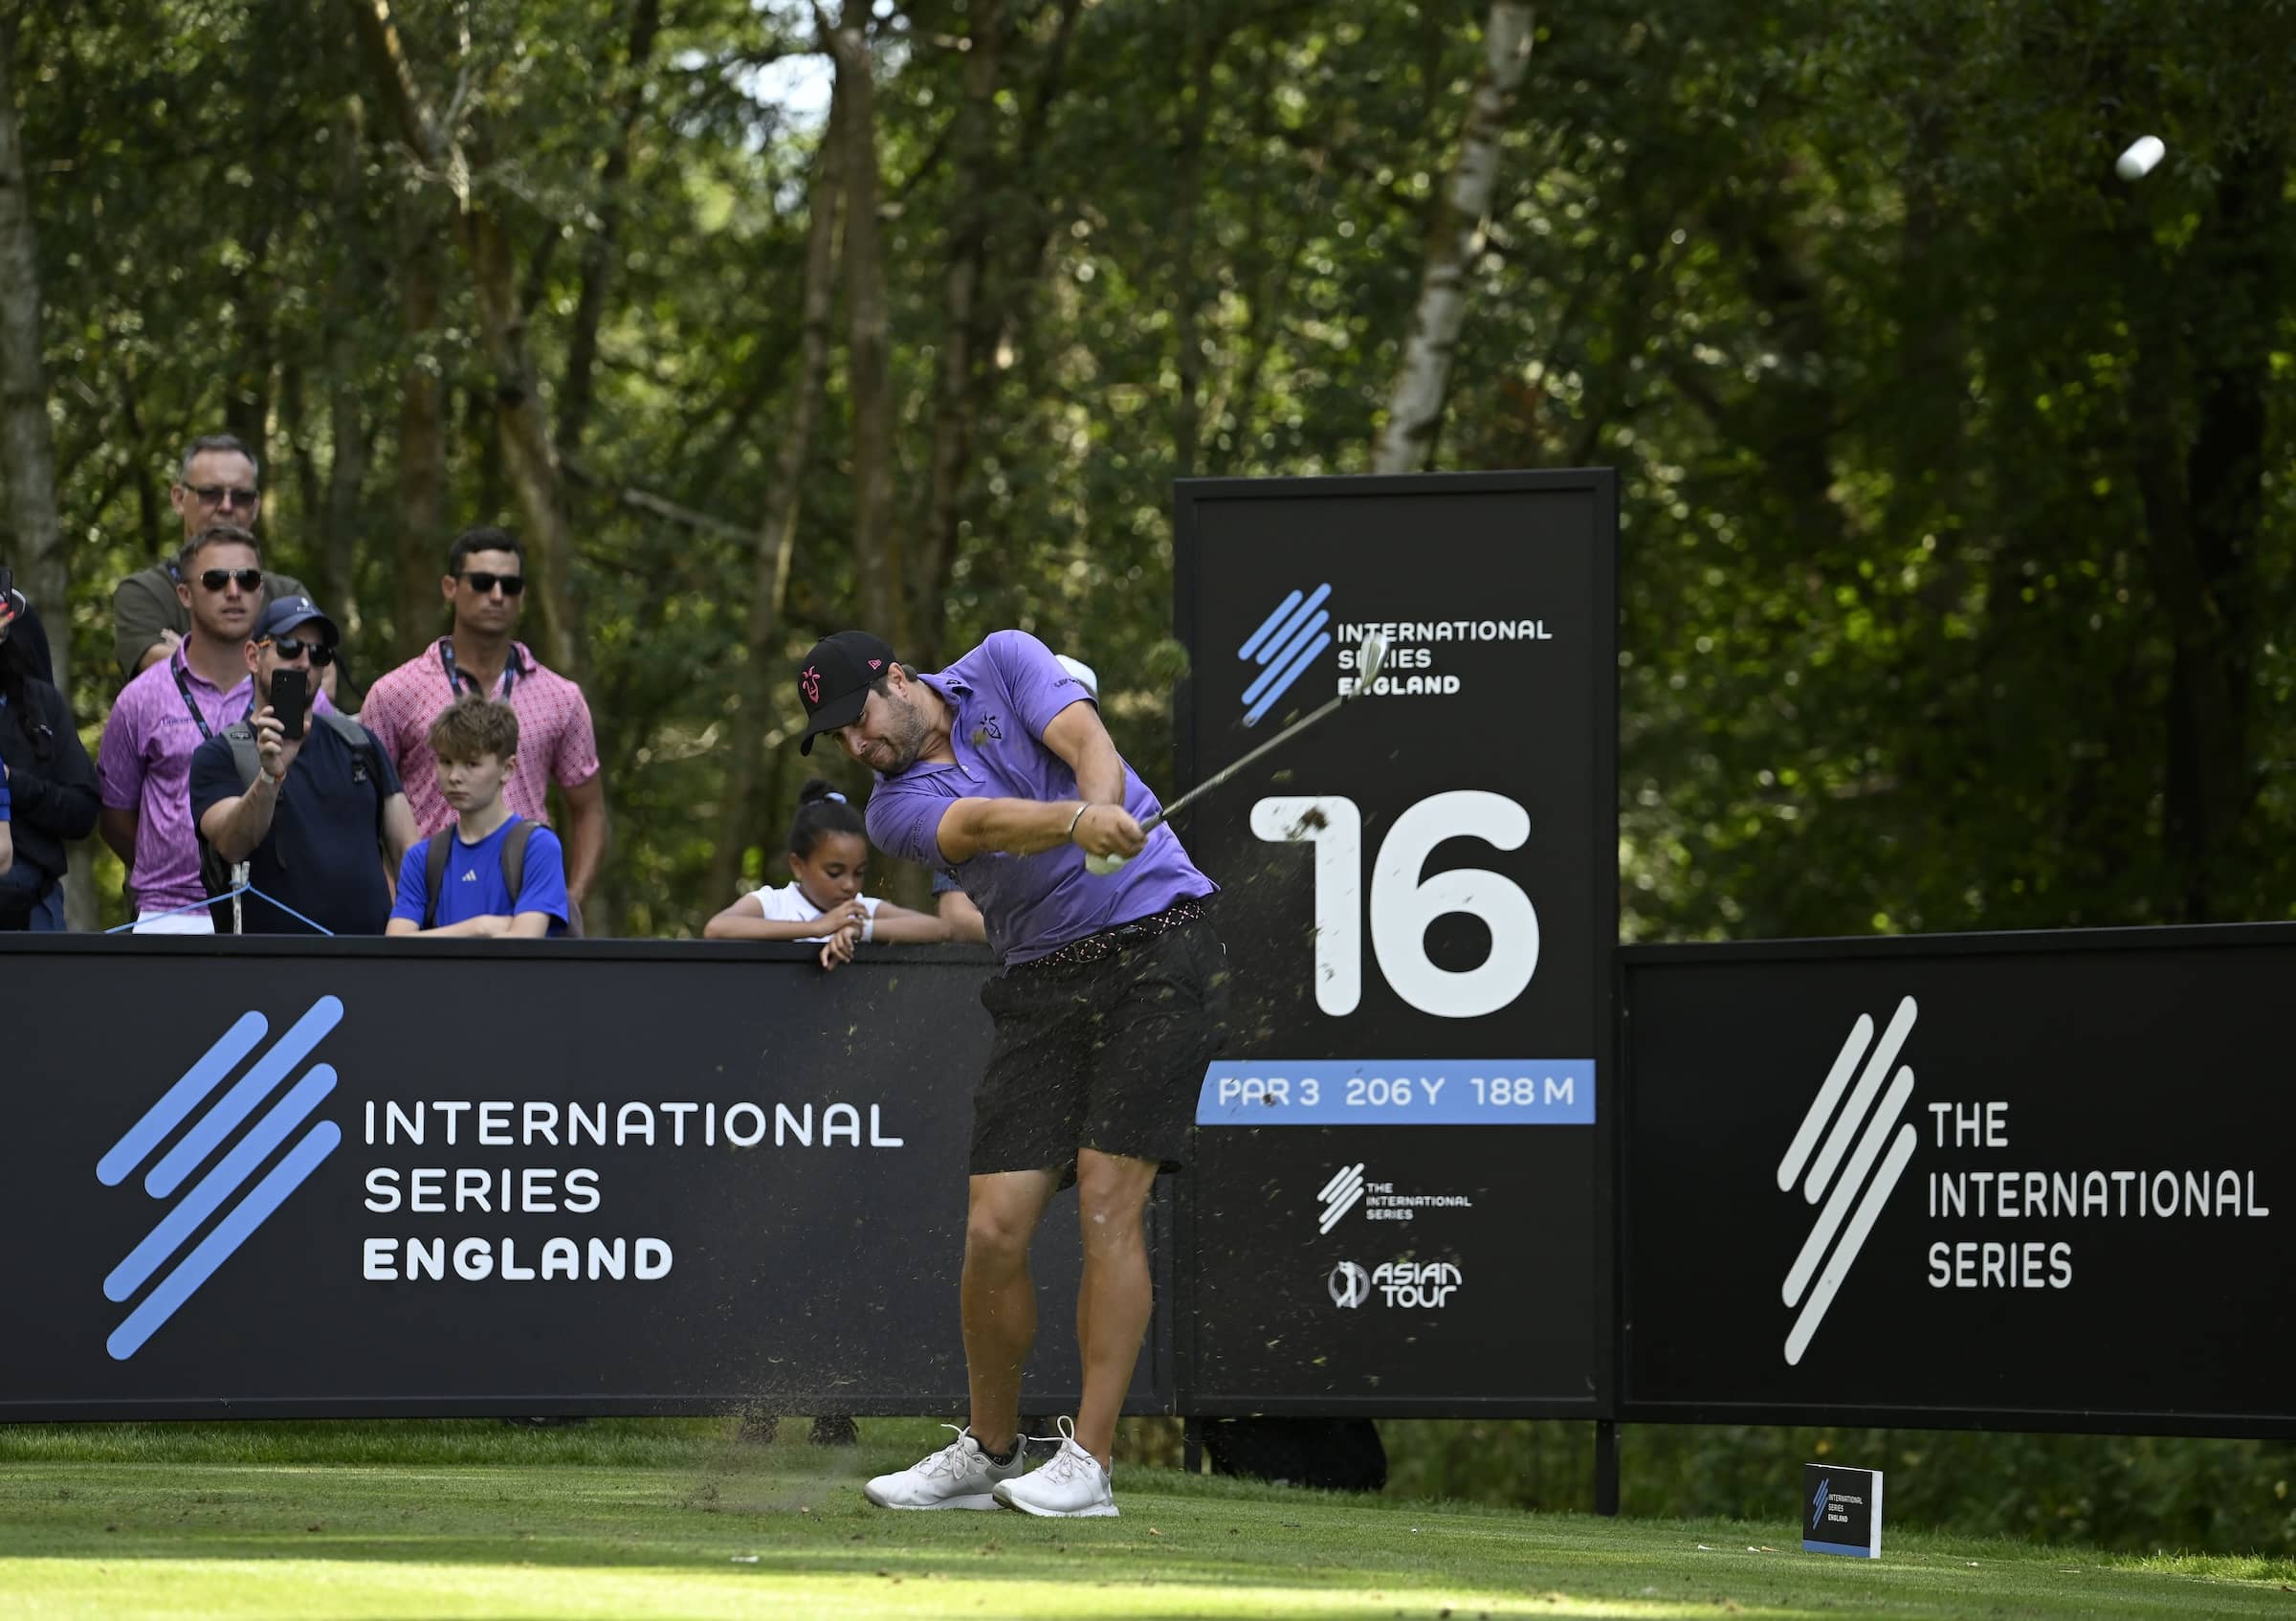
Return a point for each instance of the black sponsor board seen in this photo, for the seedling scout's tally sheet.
(214, 1200)
(1419, 906)
(2018, 1182)
(1842, 1511)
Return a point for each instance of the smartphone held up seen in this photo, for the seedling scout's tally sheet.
(290, 698)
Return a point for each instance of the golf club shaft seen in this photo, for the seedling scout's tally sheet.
(1231, 769)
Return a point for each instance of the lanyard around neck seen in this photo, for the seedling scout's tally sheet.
(183, 685)
(456, 676)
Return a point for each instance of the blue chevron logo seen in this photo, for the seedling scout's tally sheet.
(1287, 642)
(1818, 1505)
(214, 1189)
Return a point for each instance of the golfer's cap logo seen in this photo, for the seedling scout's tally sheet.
(1349, 1283)
(811, 683)
(1287, 642)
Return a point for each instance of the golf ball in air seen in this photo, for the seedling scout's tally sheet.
(2137, 161)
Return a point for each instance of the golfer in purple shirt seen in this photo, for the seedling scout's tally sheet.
(1108, 1003)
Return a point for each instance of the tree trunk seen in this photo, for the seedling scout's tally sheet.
(868, 358)
(419, 549)
(340, 515)
(777, 536)
(957, 404)
(1415, 408)
(598, 253)
(2204, 506)
(26, 447)
(529, 457)
(1199, 62)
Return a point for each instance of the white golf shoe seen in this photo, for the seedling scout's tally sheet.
(1072, 1485)
(961, 1475)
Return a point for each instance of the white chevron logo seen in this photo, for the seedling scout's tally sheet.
(1853, 1176)
(1339, 1195)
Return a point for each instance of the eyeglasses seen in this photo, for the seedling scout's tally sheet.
(482, 582)
(225, 496)
(294, 647)
(249, 579)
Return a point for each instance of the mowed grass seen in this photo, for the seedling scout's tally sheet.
(635, 1519)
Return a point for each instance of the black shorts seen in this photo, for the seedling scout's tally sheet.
(1107, 1055)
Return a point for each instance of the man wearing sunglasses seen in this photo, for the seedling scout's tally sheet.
(143, 766)
(484, 586)
(215, 483)
(317, 818)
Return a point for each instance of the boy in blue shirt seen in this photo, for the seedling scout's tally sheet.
(490, 852)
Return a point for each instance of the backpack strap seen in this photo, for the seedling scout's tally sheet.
(434, 874)
(513, 860)
(217, 875)
(361, 744)
(247, 758)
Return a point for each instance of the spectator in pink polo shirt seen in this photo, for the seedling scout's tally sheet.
(485, 584)
(143, 768)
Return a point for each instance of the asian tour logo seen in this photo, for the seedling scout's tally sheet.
(213, 1190)
(1858, 1184)
(1287, 642)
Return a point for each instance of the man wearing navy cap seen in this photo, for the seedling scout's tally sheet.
(316, 821)
(1108, 1002)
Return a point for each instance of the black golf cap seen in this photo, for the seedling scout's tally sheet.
(834, 680)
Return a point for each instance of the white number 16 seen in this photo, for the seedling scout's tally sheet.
(1402, 907)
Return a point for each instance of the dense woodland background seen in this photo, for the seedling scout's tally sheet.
(1958, 518)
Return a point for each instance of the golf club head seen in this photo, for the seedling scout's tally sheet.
(1371, 658)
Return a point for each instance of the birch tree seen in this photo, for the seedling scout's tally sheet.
(1415, 407)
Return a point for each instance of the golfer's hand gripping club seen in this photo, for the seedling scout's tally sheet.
(1371, 655)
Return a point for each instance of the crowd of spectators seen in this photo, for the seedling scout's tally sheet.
(248, 787)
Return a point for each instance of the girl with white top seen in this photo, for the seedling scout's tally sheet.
(828, 857)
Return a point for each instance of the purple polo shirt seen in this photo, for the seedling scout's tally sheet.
(1004, 694)
(144, 765)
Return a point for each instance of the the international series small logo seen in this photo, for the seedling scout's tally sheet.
(1846, 1510)
(1339, 1195)
(1287, 642)
(1855, 1196)
(213, 1190)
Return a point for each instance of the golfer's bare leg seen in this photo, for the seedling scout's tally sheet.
(998, 1297)
(1117, 1297)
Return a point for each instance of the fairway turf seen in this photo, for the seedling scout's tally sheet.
(676, 1519)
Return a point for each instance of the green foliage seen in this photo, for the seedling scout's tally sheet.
(2131, 1492)
(1958, 537)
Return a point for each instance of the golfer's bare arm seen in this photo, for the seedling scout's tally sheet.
(1014, 827)
(1023, 827)
(1076, 735)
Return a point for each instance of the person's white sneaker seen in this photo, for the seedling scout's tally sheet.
(1072, 1485)
(961, 1475)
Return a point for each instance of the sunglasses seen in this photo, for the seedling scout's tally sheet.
(249, 579)
(294, 647)
(224, 495)
(482, 582)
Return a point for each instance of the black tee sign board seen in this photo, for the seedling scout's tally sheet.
(1400, 1204)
